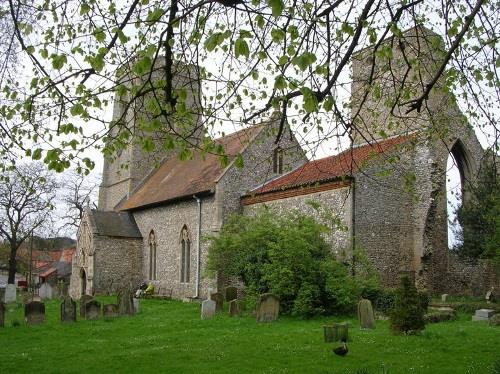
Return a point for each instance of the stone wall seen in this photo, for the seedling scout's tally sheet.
(339, 201)
(167, 222)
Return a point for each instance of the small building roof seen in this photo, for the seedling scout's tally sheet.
(117, 224)
(330, 168)
(67, 255)
(48, 272)
(176, 179)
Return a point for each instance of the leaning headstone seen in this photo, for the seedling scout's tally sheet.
(46, 291)
(219, 301)
(365, 314)
(234, 308)
(444, 297)
(2, 314)
(208, 309)
(34, 313)
(68, 310)
(483, 314)
(110, 311)
(10, 293)
(231, 293)
(83, 300)
(268, 308)
(336, 332)
(92, 309)
(125, 302)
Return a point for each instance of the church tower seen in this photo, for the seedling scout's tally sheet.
(141, 135)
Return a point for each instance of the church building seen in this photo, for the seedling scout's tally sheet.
(388, 191)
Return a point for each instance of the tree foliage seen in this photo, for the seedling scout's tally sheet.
(26, 201)
(286, 255)
(251, 57)
(407, 316)
(479, 216)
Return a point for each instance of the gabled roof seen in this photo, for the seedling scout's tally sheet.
(67, 254)
(330, 168)
(118, 224)
(176, 179)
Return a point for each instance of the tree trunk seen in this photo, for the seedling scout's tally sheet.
(12, 264)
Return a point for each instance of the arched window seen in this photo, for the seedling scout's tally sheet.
(278, 160)
(185, 255)
(152, 255)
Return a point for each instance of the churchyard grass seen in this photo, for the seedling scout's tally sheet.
(170, 337)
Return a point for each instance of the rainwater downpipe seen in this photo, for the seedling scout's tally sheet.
(198, 249)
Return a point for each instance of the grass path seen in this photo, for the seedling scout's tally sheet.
(170, 337)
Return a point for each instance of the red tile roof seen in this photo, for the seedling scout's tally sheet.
(48, 272)
(177, 179)
(329, 168)
(54, 255)
(67, 254)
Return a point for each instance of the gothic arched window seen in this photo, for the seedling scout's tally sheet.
(185, 255)
(152, 255)
(278, 161)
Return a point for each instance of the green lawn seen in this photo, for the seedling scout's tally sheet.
(170, 337)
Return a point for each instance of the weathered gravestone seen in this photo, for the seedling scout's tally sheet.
(234, 308)
(10, 293)
(135, 302)
(365, 314)
(483, 314)
(336, 332)
(2, 314)
(34, 313)
(444, 297)
(219, 301)
(110, 311)
(46, 291)
(231, 293)
(68, 310)
(83, 300)
(208, 309)
(92, 309)
(268, 308)
(125, 302)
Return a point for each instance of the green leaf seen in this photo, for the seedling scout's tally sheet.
(148, 145)
(154, 16)
(58, 61)
(328, 103)
(280, 82)
(310, 103)
(37, 154)
(304, 60)
(142, 66)
(241, 48)
(277, 7)
(76, 110)
(277, 35)
(99, 34)
(84, 9)
(214, 40)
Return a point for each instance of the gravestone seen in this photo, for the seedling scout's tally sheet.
(92, 310)
(135, 301)
(234, 308)
(219, 301)
(34, 313)
(2, 314)
(444, 297)
(208, 309)
(68, 310)
(46, 291)
(483, 314)
(10, 293)
(110, 310)
(365, 314)
(125, 302)
(231, 293)
(83, 300)
(28, 297)
(268, 308)
(336, 332)
(2, 294)
(489, 297)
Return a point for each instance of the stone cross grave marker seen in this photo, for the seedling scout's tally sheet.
(68, 310)
(83, 300)
(234, 308)
(365, 314)
(219, 301)
(34, 313)
(2, 314)
(268, 308)
(46, 291)
(110, 310)
(125, 302)
(231, 293)
(92, 310)
(208, 309)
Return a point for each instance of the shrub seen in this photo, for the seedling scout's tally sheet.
(385, 300)
(440, 316)
(288, 256)
(407, 316)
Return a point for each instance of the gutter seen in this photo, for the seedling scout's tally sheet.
(198, 249)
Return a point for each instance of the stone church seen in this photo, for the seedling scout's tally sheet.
(388, 190)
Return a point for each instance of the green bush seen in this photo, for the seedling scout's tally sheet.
(407, 316)
(440, 316)
(288, 256)
(385, 300)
